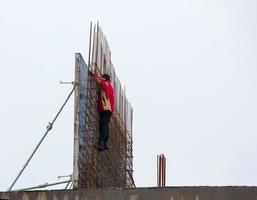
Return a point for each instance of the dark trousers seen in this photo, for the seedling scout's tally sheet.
(105, 117)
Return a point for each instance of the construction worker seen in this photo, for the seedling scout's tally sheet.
(105, 108)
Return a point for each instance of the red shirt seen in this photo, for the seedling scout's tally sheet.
(106, 96)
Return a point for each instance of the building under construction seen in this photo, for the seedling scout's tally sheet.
(112, 168)
(108, 175)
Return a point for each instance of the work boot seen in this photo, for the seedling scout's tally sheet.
(99, 146)
(106, 147)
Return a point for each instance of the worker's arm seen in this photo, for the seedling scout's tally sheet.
(96, 77)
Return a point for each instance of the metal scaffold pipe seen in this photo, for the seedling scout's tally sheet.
(44, 185)
(48, 128)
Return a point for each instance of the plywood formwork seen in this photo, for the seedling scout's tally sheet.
(112, 168)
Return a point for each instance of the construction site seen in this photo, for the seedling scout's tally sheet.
(108, 175)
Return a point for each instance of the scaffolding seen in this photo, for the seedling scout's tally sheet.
(91, 168)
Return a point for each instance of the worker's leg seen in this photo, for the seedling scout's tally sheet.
(108, 118)
(102, 130)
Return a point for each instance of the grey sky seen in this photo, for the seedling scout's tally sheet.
(189, 68)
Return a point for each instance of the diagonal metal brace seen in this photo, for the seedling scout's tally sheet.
(49, 127)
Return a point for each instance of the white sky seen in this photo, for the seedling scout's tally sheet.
(189, 67)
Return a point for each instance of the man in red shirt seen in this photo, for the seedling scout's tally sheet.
(105, 108)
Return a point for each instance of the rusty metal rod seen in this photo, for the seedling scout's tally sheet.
(164, 172)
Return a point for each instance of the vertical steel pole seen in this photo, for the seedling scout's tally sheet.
(90, 38)
(96, 55)
(164, 172)
(157, 170)
(160, 171)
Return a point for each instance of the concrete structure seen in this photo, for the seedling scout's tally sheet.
(164, 193)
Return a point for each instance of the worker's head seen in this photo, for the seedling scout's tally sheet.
(106, 77)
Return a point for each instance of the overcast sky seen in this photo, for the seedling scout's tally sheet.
(189, 67)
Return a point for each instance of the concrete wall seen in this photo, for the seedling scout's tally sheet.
(167, 193)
